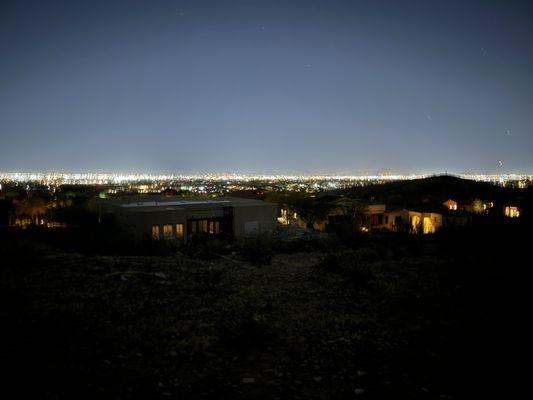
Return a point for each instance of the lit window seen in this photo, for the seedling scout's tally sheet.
(217, 227)
(287, 217)
(155, 232)
(512, 212)
(202, 226)
(167, 231)
(211, 227)
(179, 230)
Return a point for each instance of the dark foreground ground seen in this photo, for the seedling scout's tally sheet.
(441, 317)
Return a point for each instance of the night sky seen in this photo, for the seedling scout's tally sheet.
(263, 86)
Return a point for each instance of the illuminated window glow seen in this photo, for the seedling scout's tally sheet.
(287, 217)
(167, 231)
(202, 226)
(179, 230)
(511, 212)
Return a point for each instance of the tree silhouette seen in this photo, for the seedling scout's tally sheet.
(30, 207)
(356, 212)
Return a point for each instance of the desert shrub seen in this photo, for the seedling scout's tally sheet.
(299, 245)
(243, 320)
(18, 246)
(366, 254)
(354, 265)
(347, 234)
(359, 273)
(257, 249)
(81, 216)
(148, 246)
(331, 261)
(244, 329)
(208, 279)
(205, 248)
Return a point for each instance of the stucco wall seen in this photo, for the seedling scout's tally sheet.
(247, 217)
(264, 214)
(140, 223)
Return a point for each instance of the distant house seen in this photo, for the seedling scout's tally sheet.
(511, 211)
(398, 218)
(475, 205)
(164, 218)
(380, 217)
(450, 204)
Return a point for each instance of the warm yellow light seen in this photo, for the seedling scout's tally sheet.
(511, 212)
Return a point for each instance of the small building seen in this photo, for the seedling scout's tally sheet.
(164, 218)
(511, 211)
(450, 205)
(398, 218)
(384, 217)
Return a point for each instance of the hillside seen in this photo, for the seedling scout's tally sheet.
(432, 190)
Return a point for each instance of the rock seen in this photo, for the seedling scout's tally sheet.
(317, 379)
(248, 380)
(359, 391)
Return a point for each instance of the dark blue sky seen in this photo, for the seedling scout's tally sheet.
(289, 86)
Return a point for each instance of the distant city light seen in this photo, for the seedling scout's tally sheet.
(225, 182)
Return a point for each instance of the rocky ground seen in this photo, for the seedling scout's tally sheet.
(418, 318)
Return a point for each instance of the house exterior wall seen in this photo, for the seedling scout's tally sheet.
(140, 223)
(450, 204)
(397, 219)
(256, 218)
(431, 222)
(234, 218)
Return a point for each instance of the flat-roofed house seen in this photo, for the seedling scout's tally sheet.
(165, 218)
